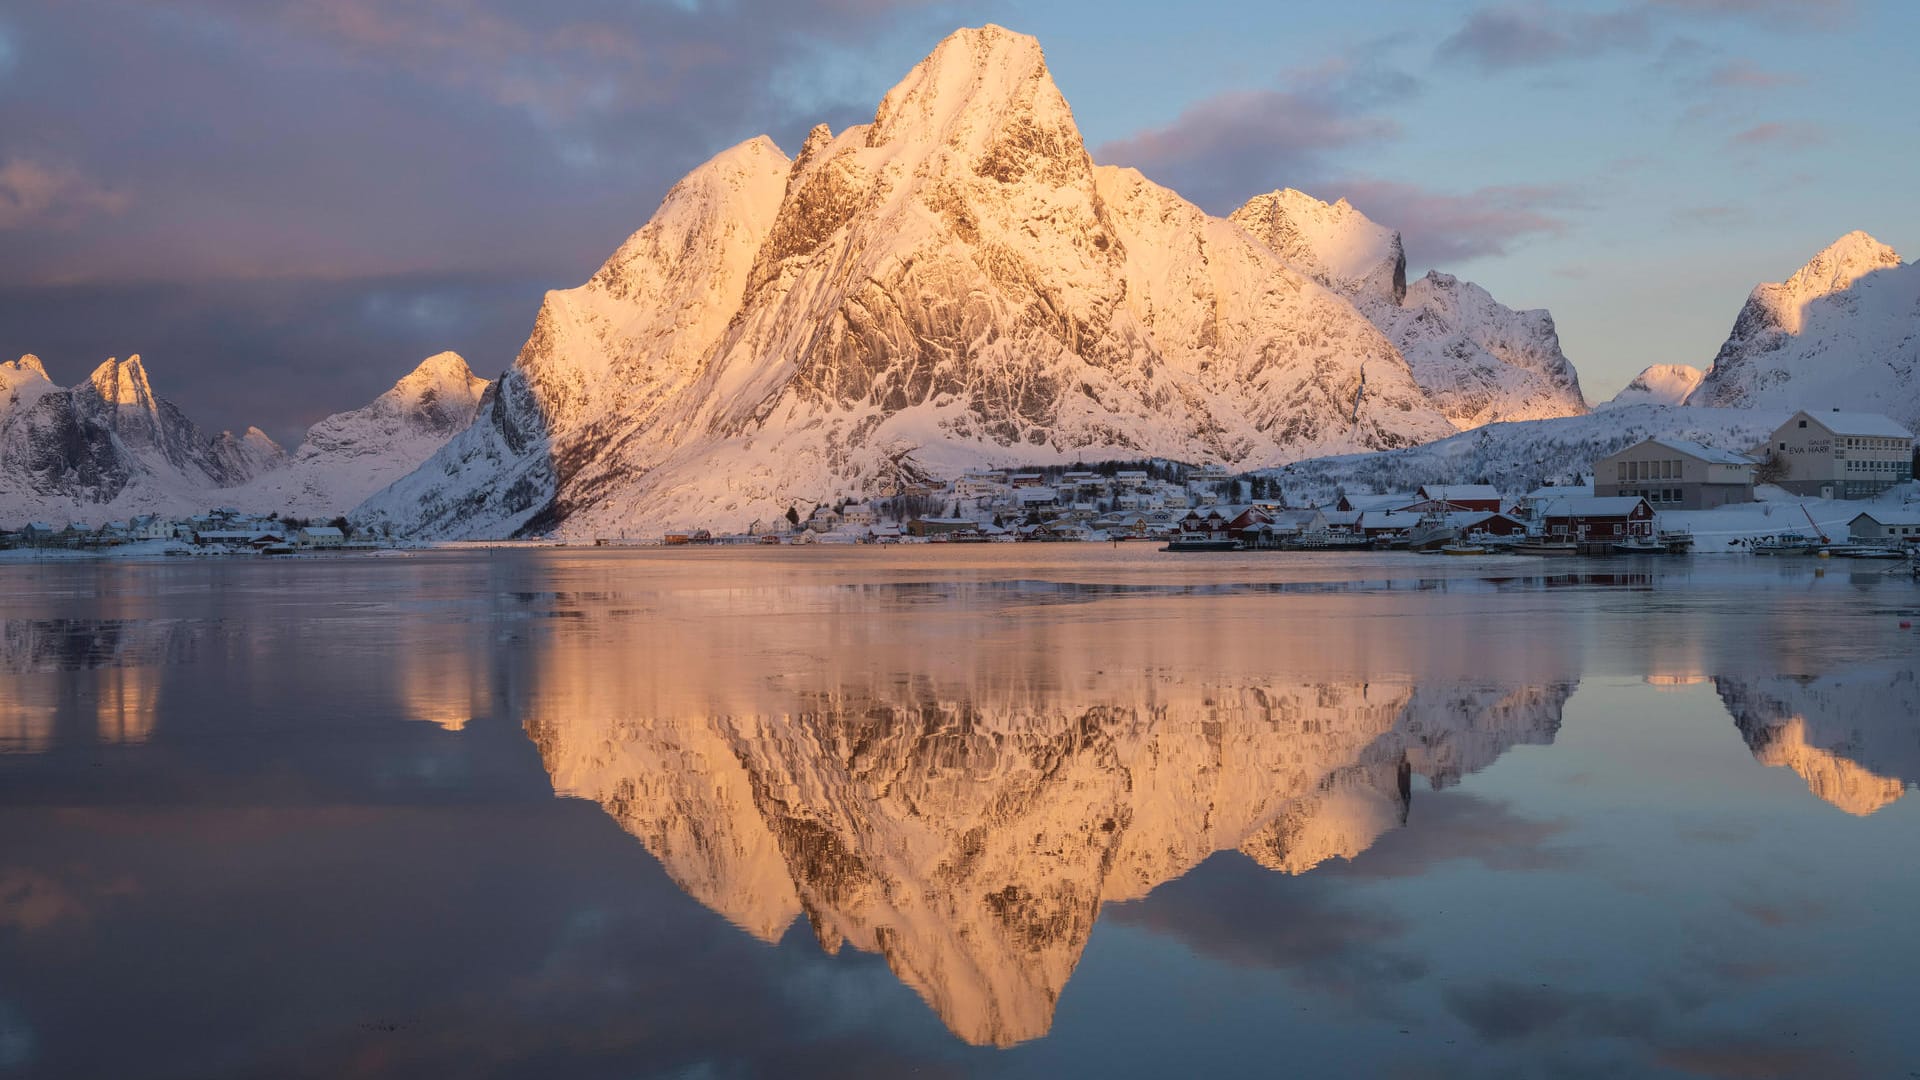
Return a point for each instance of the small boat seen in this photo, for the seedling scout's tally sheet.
(1540, 545)
(1201, 542)
(1463, 548)
(1640, 545)
(1332, 541)
(1677, 541)
(1784, 544)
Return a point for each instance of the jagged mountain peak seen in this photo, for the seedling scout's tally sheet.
(123, 383)
(1333, 243)
(986, 72)
(1840, 264)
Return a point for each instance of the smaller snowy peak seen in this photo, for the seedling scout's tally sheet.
(237, 459)
(1333, 243)
(1658, 384)
(441, 394)
(14, 372)
(23, 382)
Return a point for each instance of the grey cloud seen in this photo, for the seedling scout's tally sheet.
(1512, 36)
(1225, 149)
(1503, 38)
(1443, 229)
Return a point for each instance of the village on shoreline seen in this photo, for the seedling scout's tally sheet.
(1834, 483)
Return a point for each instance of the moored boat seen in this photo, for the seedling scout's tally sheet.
(1461, 547)
(1201, 542)
(1540, 545)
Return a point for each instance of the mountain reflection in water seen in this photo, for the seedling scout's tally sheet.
(972, 841)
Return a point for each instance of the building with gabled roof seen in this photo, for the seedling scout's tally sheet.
(1676, 474)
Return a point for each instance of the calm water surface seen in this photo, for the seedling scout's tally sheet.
(976, 811)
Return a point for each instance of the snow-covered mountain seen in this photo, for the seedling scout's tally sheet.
(1658, 384)
(953, 284)
(1842, 332)
(351, 455)
(109, 447)
(1479, 361)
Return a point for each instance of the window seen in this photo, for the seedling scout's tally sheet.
(1803, 423)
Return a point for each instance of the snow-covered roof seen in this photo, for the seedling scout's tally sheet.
(1378, 502)
(1561, 491)
(1590, 506)
(1705, 453)
(326, 531)
(1460, 492)
(1872, 425)
(1889, 517)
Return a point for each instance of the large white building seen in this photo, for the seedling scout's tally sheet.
(1840, 455)
(1674, 474)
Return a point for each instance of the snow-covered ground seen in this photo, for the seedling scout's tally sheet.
(1775, 511)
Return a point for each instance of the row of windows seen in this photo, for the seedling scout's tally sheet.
(1879, 466)
(1649, 470)
(1874, 444)
(1657, 495)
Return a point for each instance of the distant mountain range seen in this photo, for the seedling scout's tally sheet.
(111, 448)
(955, 284)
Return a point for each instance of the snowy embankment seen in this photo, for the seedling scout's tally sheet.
(1521, 456)
(1721, 531)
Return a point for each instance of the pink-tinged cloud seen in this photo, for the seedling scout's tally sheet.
(1744, 75)
(38, 194)
(1779, 133)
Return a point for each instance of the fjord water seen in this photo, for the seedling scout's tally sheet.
(1032, 810)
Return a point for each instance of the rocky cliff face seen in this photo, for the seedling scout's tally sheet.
(952, 284)
(1842, 332)
(1478, 361)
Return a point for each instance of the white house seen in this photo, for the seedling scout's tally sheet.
(1885, 527)
(1840, 455)
(320, 536)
